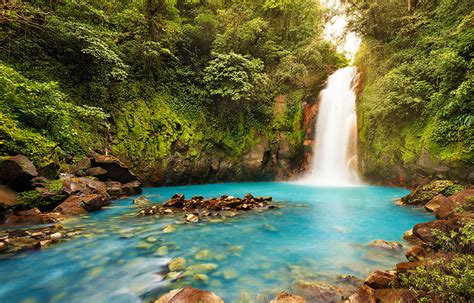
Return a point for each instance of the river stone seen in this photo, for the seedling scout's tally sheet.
(56, 236)
(193, 218)
(385, 245)
(169, 229)
(202, 278)
(172, 275)
(229, 274)
(189, 295)
(202, 268)
(203, 255)
(177, 264)
(162, 251)
(140, 201)
(285, 297)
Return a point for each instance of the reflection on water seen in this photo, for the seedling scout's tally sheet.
(317, 234)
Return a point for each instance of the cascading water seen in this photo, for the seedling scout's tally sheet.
(335, 148)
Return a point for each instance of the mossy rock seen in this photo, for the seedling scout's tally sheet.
(177, 264)
(425, 193)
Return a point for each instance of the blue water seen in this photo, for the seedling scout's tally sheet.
(317, 233)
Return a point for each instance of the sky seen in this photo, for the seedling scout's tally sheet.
(335, 31)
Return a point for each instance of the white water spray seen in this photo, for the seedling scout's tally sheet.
(335, 151)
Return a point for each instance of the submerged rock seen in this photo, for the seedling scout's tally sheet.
(285, 297)
(141, 201)
(202, 268)
(385, 244)
(177, 264)
(189, 295)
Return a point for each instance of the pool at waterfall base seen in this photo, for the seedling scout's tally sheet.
(316, 234)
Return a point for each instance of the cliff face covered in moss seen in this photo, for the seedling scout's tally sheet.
(415, 104)
(181, 91)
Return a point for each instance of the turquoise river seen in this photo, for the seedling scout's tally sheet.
(315, 235)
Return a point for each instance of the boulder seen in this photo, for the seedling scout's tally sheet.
(80, 167)
(416, 253)
(116, 170)
(285, 297)
(390, 295)
(189, 295)
(385, 245)
(132, 188)
(456, 201)
(425, 193)
(434, 204)
(97, 172)
(84, 186)
(7, 196)
(406, 266)
(140, 201)
(77, 205)
(39, 182)
(114, 188)
(364, 294)
(31, 217)
(49, 171)
(16, 172)
(380, 279)
(424, 231)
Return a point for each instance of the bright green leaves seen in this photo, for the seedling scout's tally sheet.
(234, 76)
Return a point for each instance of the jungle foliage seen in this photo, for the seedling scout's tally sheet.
(417, 64)
(132, 77)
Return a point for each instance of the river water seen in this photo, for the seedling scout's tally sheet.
(318, 233)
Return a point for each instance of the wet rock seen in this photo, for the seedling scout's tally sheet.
(380, 279)
(32, 216)
(16, 245)
(436, 202)
(16, 172)
(56, 236)
(169, 229)
(132, 188)
(411, 238)
(116, 170)
(416, 253)
(97, 172)
(177, 264)
(425, 193)
(7, 195)
(364, 294)
(201, 278)
(84, 186)
(350, 280)
(76, 205)
(385, 245)
(176, 201)
(162, 251)
(319, 291)
(193, 218)
(391, 295)
(285, 297)
(202, 268)
(406, 266)
(173, 275)
(114, 188)
(140, 201)
(189, 295)
(3, 246)
(203, 255)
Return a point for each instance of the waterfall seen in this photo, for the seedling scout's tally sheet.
(335, 150)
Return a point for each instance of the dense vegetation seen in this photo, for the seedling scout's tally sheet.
(416, 108)
(142, 79)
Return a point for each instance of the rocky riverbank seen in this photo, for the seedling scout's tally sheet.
(33, 202)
